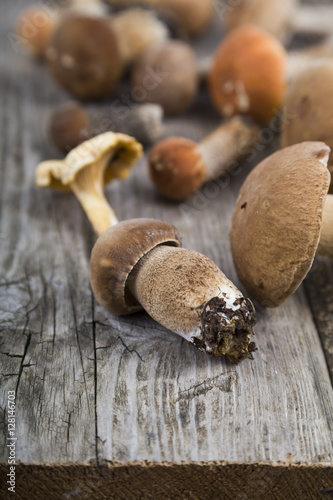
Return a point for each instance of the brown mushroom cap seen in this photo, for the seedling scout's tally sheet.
(69, 126)
(167, 75)
(83, 56)
(115, 254)
(277, 220)
(248, 74)
(177, 167)
(308, 111)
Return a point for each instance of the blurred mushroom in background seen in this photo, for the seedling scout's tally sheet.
(166, 74)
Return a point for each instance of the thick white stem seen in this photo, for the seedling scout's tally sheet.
(223, 148)
(136, 29)
(187, 293)
(326, 236)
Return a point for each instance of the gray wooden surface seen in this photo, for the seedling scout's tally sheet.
(91, 387)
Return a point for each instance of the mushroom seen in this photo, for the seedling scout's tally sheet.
(308, 110)
(279, 17)
(282, 216)
(87, 54)
(179, 167)
(87, 168)
(137, 264)
(248, 74)
(69, 125)
(83, 56)
(166, 74)
(35, 27)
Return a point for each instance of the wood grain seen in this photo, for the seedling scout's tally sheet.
(92, 388)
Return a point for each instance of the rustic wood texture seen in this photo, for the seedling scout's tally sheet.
(92, 388)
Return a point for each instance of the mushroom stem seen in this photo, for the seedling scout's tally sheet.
(135, 30)
(88, 188)
(226, 145)
(185, 291)
(325, 246)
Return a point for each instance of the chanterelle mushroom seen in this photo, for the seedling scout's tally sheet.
(87, 168)
(138, 264)
(282, 217)
(179, 167)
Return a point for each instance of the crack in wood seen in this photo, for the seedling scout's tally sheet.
(224, 382)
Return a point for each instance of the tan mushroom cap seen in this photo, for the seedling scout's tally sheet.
(121, 150)
(116, 253)
(277, 221)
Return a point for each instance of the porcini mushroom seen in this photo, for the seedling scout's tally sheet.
(308, 110)
(83, 56)
(179, 167)
(134, 264)
(282, 217)
(137, 264)
(248, 74)
(35, 27)
(69, 125)
(87, 168)
(279, 17)
(166, 74)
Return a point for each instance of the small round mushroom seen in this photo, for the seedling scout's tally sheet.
(69, 125)
(282, 217)
(179, 167)
(308, 110)
(248, 74)
(166, 74)
(83, 56)
(138, 264)
(87, 168)
(35, 27)
(195, 16)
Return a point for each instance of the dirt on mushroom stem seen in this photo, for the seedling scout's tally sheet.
(207, 309)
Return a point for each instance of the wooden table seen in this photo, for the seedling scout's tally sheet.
(121, 408)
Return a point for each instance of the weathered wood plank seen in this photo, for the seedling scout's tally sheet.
(92, 387)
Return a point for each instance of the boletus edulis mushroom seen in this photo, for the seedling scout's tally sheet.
(248, 74)
(137, 264)
(282, 217)
(34, 27)
(179, 167)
